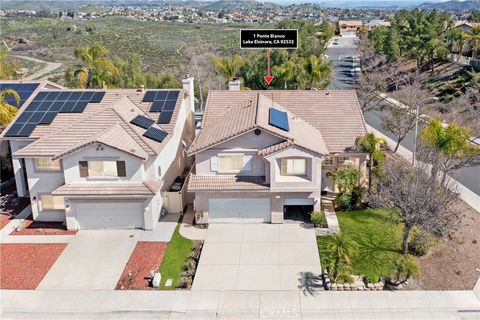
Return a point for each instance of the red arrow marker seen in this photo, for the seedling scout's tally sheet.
(268, 78)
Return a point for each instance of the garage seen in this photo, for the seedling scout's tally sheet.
(108, 215)
(239, 210)
(298, 210)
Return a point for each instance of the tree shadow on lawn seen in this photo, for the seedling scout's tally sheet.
(378, 249)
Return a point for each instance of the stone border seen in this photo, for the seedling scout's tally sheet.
(357, 285)
(331, 217)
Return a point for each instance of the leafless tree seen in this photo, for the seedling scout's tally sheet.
(399, 120)
(420, 201)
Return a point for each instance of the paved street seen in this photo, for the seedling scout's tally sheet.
(259, 257)
(469, 177)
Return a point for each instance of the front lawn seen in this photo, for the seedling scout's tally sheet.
(379, 236)
(173, 264)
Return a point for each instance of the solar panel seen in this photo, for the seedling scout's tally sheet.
(157, 106)
(155, 134)
(23, 118)
(97, 97)
(161, 95)
(172, 95)
(278, 119)
(14, 129)
(48, 117)
(52, 96)
(24, 90)
(27, 129)
(149, 96)
(169, 105)
(36, 117)
(165, 117)
(142, 122)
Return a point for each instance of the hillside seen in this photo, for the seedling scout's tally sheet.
(453, 5)
(228, 5)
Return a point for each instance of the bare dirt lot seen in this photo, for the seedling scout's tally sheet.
(453, 264)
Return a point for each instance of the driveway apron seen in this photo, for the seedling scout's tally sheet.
(259, 257)
(94, 259)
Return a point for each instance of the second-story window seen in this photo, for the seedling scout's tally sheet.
(293, 167)
(230, 163)
(45, 164)
(102, 168)
(328, 161)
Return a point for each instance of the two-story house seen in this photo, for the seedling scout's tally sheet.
(260, 154)
(101, 158)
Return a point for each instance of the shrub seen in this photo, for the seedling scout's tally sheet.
(318, 219)
(185, 282)
(371, 278)
(405, 268)
(420, 242)
(343, 200)
(344, 278)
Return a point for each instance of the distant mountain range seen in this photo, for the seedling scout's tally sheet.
(453, 5)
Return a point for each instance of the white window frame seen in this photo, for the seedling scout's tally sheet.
(329, 161)
(230, 155)
(50, 165)
(284, 165)
(58, 202)
(103, 173)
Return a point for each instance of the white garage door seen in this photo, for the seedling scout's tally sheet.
(108, 215)
(244, 210)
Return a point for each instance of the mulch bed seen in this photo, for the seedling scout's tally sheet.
(11, 204)
(24, 265)
(47, 228)
(145, 257)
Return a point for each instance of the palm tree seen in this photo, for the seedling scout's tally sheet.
(371, 144)
(345, 178)
(285, 72)
(7, 111)
(475, 39)
(95, 66)
(341, 249)
(318, 71)
(228, 67)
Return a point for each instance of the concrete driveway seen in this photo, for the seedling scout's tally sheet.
(258, 257)
(94, 259)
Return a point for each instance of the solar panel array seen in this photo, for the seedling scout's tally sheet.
(278, 119)
(163, 102)
(47, 104)
(24, 90)
(152, 132)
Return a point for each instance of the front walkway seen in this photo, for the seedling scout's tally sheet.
(259, 257)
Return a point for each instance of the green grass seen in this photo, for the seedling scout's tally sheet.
(173, 263)
(378, 234)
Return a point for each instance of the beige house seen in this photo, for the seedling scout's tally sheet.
(99, 159)
(263, 155)
(349, 25)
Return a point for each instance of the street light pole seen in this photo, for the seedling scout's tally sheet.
(417, 118)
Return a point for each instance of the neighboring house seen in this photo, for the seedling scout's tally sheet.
(372, 24)
(101, 158)
(260, 154)
(465, 26)
(349, 25)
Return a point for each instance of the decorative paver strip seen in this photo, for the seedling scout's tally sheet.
(23, 265)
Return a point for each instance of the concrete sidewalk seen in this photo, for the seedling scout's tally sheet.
(61, 304)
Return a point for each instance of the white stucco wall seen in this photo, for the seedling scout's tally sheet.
(43, 182)
(133, 165)
(21, 183)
